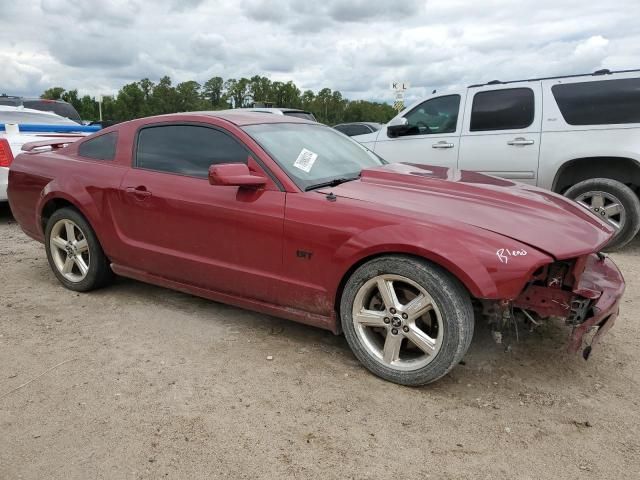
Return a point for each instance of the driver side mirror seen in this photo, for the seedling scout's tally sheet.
(234, 174)
(397, 127)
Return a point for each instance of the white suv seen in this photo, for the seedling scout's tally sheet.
(576, 135)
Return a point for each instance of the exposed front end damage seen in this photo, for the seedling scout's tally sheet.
(584, 292)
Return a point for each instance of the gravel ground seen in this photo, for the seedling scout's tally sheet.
(136, 381)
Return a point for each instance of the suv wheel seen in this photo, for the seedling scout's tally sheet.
(407, 320)
(613, 202)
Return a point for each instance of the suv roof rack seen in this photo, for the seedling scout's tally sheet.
(604, 71)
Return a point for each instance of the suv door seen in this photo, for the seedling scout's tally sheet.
(430, 137)
(501, 134)
(177, 226)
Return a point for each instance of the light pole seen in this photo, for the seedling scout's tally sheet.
(100, 107)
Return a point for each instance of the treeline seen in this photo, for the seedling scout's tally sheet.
(144, 98)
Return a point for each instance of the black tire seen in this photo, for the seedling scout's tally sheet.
(624, 195)
(99, 272)
(448, 294)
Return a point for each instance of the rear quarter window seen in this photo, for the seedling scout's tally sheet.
(99, 148)
(599, 103)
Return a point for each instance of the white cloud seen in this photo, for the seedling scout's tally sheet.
(355, 46)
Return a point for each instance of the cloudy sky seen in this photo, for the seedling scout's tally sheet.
(356, 46)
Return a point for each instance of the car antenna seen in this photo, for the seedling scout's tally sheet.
(434, 91)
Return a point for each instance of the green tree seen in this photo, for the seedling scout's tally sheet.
(164, 97)
(88, 108)
(71, 96)
(147, 87)
(109, 109)
(144, 98)
(130, 102)
(212, 92)
(188, 96)
(53, 93)
(286, 94)
(321, 105)
(238, 92)
(260, 89)
(307, 99)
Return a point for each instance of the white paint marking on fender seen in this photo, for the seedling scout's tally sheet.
(504, 254)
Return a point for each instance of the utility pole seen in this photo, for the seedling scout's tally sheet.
(100, 107)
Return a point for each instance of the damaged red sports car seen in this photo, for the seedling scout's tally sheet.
(291, 218)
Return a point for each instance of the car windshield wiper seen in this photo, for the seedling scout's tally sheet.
(331, 183)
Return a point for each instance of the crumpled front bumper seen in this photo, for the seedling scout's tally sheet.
(600, 275)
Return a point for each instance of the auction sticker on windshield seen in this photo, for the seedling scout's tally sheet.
(305, 160)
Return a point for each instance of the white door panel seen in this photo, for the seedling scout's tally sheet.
(439, 150)
(505, 152)
(432, 135)
(513, 156)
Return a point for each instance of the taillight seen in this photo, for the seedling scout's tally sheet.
(6, 157)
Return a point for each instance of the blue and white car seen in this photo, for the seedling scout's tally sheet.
(19, 125)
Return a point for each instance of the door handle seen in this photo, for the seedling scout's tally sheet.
(140, 192)
(520, 141)
(442, 144)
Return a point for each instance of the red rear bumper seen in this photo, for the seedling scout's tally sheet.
(600, 275)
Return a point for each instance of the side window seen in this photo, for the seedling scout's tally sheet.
(438, 115)
(351, 130)
(186, 149)
(507, 109)
(99, 148)
(599, 103)
(360, 130)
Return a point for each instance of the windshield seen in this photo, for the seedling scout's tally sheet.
(313, 154)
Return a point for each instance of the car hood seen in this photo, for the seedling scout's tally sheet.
(530, 215)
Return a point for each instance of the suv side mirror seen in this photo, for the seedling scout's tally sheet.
(234, 174)
(397, 126)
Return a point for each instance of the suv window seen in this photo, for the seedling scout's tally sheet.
(352, 130)
(186, 149)
(506, 109)
(10, 101)
(437, 115)
(359, 130)
(58, 107)
(99, 148)
(599, 103)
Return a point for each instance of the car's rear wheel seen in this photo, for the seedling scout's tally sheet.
(74, 253)
(613, 202)
(407, 320)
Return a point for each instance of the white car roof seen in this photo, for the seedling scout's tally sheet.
(10, 114)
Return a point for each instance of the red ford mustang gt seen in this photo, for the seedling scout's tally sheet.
(291, 218)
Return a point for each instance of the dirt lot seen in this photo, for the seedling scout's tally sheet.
(150, 383)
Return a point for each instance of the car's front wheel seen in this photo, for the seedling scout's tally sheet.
(613, 202)
(407, 320)
(74, 253)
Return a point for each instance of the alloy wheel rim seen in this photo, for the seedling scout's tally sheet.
(606, 206)
(398, 322)
(70, 250)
